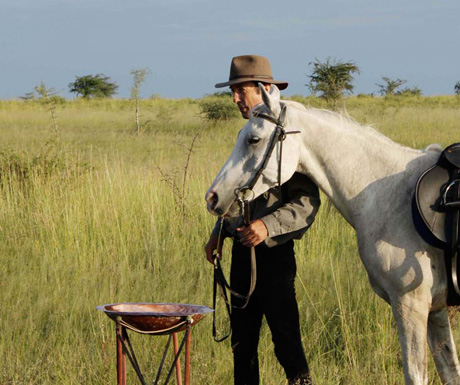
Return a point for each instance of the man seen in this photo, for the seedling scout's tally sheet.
(278, 217)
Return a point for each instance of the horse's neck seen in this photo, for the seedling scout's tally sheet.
(344, 158)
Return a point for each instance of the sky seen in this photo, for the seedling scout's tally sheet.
(188, 44)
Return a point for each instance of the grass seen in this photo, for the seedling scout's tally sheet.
(111, 230)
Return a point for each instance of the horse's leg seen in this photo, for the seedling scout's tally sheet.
(442, 347)
(411, 320)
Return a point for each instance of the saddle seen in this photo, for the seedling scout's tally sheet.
(436, 212)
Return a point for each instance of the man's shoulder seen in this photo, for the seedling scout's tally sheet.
(301, 181)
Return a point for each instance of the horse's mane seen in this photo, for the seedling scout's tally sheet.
(346, 122)
(328, 117)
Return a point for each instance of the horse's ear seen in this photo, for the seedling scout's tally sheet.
(275, 92)
(271, 99)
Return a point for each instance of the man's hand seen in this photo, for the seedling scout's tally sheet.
(211, 246)
(253, 234)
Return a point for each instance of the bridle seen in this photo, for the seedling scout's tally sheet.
(240, 193)
(278, 137)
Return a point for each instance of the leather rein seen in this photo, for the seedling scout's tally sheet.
(240, 192)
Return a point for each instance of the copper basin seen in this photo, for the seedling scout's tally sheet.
(158, 318)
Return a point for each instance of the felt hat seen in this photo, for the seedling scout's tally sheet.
(251, 68)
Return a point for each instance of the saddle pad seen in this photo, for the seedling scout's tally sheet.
(428, 193)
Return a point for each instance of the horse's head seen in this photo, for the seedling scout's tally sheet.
(255, 164)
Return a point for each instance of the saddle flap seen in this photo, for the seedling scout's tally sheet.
(428, 195)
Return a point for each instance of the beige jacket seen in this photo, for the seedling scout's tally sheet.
(287, 213)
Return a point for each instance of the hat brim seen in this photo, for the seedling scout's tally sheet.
(279, 83)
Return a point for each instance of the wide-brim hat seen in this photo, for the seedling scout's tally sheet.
(251, 68)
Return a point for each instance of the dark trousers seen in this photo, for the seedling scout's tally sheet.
(274, 297)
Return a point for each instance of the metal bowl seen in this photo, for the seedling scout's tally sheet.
(158, 318)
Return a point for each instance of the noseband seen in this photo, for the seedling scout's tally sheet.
(279, 137)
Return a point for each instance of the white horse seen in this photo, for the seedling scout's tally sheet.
(370, 179)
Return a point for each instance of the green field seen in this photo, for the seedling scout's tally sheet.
(98, 215)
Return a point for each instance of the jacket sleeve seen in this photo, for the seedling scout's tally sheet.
(216, 229)
(220, 228)
(300, 203)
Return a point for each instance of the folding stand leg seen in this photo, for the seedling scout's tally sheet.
(187, 357)
(121, 357)
(125, 349)
(178, 368)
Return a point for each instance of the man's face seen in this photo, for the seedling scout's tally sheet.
(246, 96)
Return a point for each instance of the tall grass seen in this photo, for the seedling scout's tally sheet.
(113, 232)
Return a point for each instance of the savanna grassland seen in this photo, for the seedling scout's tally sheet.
(95, 214)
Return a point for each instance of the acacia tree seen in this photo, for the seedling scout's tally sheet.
(98, 86)
(49, 98)
(457, 88)
(332, 79)
(46, 97)
(139, 76)
(390, 85)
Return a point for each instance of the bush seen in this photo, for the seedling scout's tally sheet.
(218, 108)
(223, 94)
(24, 168)
(414, 91)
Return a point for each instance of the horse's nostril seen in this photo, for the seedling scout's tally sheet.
(215, 199)
(212, 199)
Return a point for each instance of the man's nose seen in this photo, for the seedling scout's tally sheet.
(236, 98)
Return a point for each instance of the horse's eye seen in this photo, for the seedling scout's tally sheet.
(253, 140)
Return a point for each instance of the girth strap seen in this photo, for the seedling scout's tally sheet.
(453, 208)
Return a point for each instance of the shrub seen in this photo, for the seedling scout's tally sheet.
(223, 94)
(414, 91)
(218, 108)
(24, 168)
